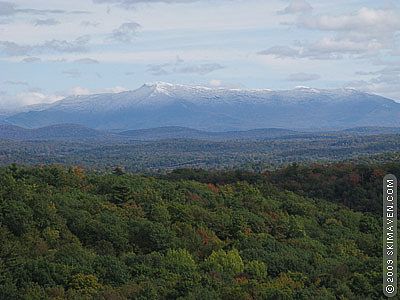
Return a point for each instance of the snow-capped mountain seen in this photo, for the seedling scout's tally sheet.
(164, 104)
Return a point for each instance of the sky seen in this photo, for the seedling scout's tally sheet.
(53, 49)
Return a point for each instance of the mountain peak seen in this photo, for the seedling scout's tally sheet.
(165, 86)
(158, 85)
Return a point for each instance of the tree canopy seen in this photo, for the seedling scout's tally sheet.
(66, 233)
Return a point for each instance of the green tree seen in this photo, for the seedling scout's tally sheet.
(228, 264)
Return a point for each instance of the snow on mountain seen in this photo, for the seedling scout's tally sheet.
(162, 93)
(165, 104)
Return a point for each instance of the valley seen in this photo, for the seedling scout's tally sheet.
(161, 149)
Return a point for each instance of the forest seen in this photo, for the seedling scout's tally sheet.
(168, 154)
(298, 232)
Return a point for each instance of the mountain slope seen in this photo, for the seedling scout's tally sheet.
(217, 109)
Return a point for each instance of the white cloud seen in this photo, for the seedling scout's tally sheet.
(11, 82)
(385, 81)
(125, 33)
(365, 19)
(29, 98)
(116, 89)
(25, 98)
(215, 83)
(327, 48)
(180, 66)
(11, 9)
(31, 59)
(59, 46)
(281, 51)
(33, 97)
(296, 7)
(364, 33)
(76, 91)
(377, 87)
(337, 46)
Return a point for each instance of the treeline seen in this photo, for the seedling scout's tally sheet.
(70, 234)
(357, 186)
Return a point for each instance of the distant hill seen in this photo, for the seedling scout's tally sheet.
(54, 132)
(217, 109)
(71, 132)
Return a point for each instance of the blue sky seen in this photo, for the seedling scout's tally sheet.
(52, 49)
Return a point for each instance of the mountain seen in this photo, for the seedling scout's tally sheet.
(53, 132)
(217, 109)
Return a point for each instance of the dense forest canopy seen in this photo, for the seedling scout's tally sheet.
(295, 233)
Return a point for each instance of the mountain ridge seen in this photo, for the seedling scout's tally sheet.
(217, 109)
(52, 132)
(74, 132)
